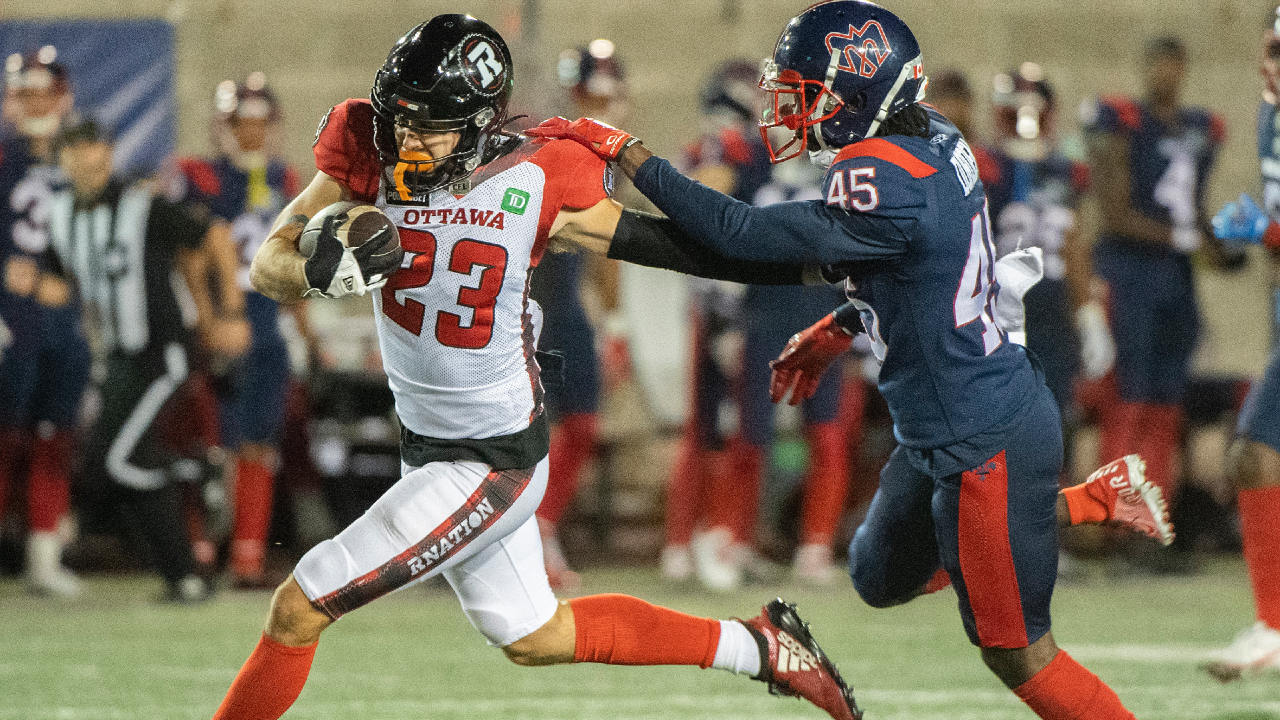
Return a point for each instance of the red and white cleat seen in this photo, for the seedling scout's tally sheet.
(1131, 501)
(792, 664)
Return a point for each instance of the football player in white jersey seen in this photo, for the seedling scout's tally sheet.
(476, 209)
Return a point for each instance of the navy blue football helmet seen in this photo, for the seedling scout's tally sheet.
(839, 69)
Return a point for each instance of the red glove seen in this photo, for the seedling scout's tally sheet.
(805, 358)
(604, 140)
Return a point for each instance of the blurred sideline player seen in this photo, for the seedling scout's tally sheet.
(244, 186)
(725, 486)
(715, 480)
(128, 272)
(597, 84)
(1033, 193)
(1151, 160)
(457, 335)
(1254, 456)
(771, 315)
(45, 367)
(974, 481)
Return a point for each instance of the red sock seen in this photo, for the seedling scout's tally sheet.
(268, 682)
(1066, 690)
(1157, 441)
(1260, 526)
(623, 630)
(826, 484)
(685, 491)
(254, 482)
(1083, 506)
(1118, 424)
(734, 501)
(47, 484)
(573, 441)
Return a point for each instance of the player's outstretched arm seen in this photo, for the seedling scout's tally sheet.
(788, 232)
(278, 269)
(654, 241)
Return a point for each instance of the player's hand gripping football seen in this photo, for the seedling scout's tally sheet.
(808, 353)
(600, 138)
(335, 270)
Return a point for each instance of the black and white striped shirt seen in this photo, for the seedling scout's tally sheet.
(120, 249)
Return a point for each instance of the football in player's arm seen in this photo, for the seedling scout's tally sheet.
(458, 351)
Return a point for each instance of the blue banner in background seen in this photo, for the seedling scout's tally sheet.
(122, 75)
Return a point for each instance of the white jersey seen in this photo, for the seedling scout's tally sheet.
(455, 323)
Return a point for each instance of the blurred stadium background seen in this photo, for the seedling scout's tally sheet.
(115, 655)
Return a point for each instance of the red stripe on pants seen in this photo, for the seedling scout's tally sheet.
(986, 559)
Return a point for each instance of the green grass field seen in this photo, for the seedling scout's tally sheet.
(414, 656)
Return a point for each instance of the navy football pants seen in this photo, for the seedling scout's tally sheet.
(993, 528)
(1260, 417)
(1154, 318)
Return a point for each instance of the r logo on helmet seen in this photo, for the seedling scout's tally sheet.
(864, 50)
(483, 65)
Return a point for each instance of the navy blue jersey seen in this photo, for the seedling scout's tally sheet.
(248, 200)
(904, 219)
(1168, 166)
(1032, 203)
(26, 187)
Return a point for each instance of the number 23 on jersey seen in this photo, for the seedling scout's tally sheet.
(465, 255)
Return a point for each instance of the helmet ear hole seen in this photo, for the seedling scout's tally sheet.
(858, 103)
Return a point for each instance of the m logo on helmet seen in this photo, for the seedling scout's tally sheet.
(484, 65)
(863, 50)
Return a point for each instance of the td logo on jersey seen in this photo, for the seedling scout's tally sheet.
(515, 201)
(863, 50)
(484, 65)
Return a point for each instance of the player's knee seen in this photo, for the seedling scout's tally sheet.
(875, 590)
(873, 585)
(293, 620)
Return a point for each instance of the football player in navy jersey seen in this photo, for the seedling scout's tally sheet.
(1254, 456)
(46, 366)
(1151, 161)
(1032, 193)
(972, 486)
(244, 186)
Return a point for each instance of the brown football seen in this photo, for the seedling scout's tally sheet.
(357, 224)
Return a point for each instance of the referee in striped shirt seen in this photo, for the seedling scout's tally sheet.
(138, 261)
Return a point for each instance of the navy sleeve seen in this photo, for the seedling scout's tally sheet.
(798, 231)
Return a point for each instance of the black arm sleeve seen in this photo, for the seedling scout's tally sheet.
(655, 241)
